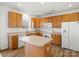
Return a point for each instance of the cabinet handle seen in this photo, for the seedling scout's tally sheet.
(47, 48)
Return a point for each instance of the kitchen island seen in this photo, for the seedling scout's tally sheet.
(36, 46)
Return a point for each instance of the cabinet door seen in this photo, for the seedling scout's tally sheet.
(11, 19)
(33, 22)
(49, 19)
(54, 23)
(71, 17)
(41, 22)
(74, 17)
(19, 20)
(57, 39)
(47, 50)
(36, 22)
(58, 21)
(14, 42)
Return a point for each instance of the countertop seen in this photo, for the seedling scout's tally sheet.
(17, 33)
(36, 40)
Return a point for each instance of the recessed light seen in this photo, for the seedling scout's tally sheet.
(70, 5)
(42, 2)
(19, 4)
(52, 10)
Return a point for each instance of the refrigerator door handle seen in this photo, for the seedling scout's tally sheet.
(64, 31)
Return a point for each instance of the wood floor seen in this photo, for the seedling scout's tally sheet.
(56, 51)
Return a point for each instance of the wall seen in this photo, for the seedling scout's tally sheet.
(4, 30)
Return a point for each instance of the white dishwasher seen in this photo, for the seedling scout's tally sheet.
(20, 43)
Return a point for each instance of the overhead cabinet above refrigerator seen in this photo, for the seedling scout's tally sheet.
(70, 35)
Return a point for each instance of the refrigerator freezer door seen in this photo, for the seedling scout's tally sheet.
(65, 35)
(74, 36)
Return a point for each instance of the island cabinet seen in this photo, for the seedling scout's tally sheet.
(35, 51)
(36, 46)
(14, 20)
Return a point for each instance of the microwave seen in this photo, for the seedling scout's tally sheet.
(47, 25)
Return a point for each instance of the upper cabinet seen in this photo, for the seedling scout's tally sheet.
(14, 20)
(36, 22)
(71, 17)
(19, 20)
(56, 21)
(47, 19)
(59, 20)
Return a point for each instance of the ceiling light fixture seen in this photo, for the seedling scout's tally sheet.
(19, 4)
(42, 2)
(70, 5)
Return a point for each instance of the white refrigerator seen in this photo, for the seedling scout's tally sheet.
(70, 35)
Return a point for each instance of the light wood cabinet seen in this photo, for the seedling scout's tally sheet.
(47, 19)
(59, 20)
(56, 21)
(36, 22)
(19, 21)
(13, 42)
(38, 34)
(71, 17)
(14, 20)
(33, 22)
(11, 19)
(56, 39)
(35, 51)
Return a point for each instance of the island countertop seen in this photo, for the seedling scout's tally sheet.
(36, 40)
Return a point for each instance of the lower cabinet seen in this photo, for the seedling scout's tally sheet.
(13, 41)
(56, 39)
(35, 51)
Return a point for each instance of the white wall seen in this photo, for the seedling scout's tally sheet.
(4, 30)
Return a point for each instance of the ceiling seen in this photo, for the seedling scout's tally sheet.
(42, 8)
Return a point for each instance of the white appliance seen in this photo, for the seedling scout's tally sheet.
(21, 43)
(47, 25)
(70, 35)
(47, 35)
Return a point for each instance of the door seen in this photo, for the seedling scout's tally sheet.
(74, 36)
(65, 35)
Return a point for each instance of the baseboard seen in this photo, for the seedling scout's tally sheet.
(4, 50)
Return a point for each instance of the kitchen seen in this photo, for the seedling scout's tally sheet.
(48, 33)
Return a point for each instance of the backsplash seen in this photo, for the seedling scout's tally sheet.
(57, 30)
(10, 30)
